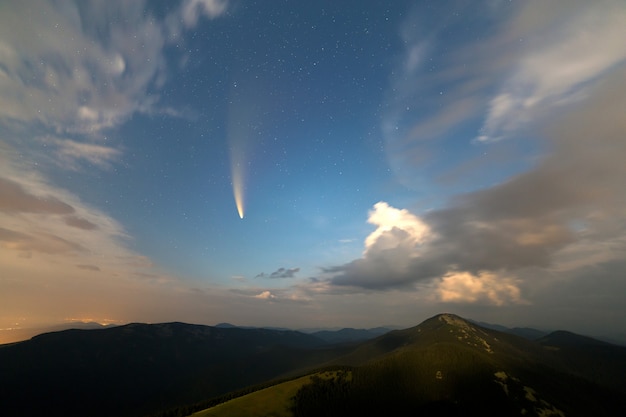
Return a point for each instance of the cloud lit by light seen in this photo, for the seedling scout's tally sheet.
(408, 158)
(464, 287)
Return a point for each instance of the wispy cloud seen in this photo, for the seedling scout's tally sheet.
(564, 214)
(15, 199)
(193, 9)
(280, 273)
(74, 71)
(525, 62)
(71, 153)
(78, 69)
(556, 62)
(50, 240)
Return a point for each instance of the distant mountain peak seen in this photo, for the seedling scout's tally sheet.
(454, 320)
(563, 338)
(225, 325)
(462, 330)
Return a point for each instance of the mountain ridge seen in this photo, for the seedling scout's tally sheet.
(448, 365)
(139, 369)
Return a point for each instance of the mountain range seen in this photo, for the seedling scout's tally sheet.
(444, 366)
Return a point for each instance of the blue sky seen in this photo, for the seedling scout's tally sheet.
(391, 160)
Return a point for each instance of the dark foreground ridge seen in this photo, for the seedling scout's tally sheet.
(444, 366)
(448, 366)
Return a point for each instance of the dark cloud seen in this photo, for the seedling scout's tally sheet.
(574, 195)
(80, 223)
(280, 273)
(14, 199)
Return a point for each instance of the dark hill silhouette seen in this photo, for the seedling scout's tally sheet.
(450, 366)
(444, 366)
(139, 368)
(598, 361)
(565, 339)
(347, 335)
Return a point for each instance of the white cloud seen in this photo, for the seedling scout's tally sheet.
(72, 71)
(557, 62)
(265, 295)
(193, 9)
(70, 153)
(389, 251)
(75, 69)
(387, 219)
(82, 69)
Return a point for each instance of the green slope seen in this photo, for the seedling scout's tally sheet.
(273, 401)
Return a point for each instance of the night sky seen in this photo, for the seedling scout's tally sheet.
(313, 163)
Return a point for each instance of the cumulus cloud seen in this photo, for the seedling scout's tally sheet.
(464, 287)
(389, 250)
(564, 214)
(265, 295)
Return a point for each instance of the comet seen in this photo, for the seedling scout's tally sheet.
(246, 101)
(237, 178)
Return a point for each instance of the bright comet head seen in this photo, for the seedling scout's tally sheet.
(238, 189)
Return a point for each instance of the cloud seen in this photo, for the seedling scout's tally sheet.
(346, 240)
(15, 199)
(51, 243)
(556, 63)
(42, 242)
(464, 287)
(563, 215)
(280, 273)
(193, 9)
(389, 250)
(71, 153)
(84, 69)
(526, 63)
(80, 71)
(265, 295)
(73, 72)
(80, 223)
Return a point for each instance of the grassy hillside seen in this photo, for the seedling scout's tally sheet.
(276, 401)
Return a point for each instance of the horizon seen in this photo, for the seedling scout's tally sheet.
(7, 336)
(303, 165)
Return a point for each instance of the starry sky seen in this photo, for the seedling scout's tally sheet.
(313, 164)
